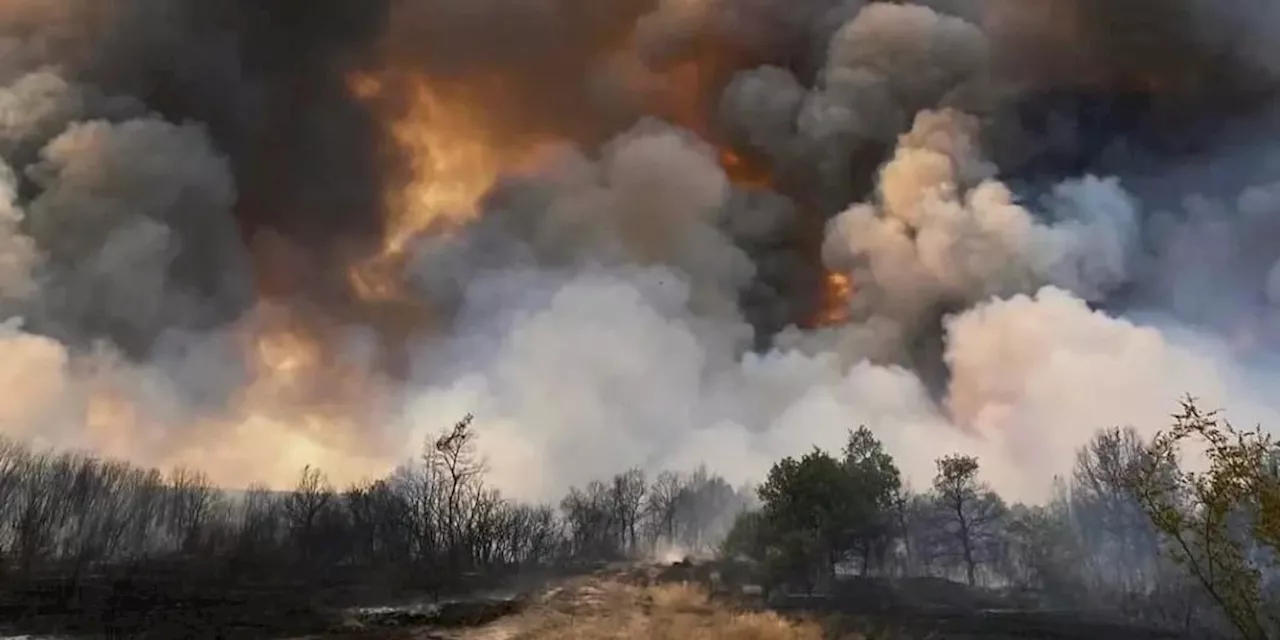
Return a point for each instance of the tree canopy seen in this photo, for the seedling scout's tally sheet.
(818, 511)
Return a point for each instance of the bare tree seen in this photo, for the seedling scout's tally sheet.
(261, 529)
(1124, 546)
(422, 518)
(628, 500)
(192, 502)
(377, 514)
(14, 461)
(304, 509)
(902, 523)
(68, 515)
(706, 509)
(663, 506)
(453, 459)
(970, 512)
(38, 512)
(592, 525)
(146, 505)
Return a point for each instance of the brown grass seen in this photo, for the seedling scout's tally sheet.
(605, 609)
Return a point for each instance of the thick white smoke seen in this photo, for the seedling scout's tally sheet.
(607, 370)
(945, 235)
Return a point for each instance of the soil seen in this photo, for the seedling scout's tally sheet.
(653, 601)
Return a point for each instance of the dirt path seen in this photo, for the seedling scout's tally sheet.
(635, 604)
(601, 608)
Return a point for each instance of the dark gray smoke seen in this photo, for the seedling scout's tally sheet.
(1007, 189)
(259, 85)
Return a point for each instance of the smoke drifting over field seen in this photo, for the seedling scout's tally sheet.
(246, 235)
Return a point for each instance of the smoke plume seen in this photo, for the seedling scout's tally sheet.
(247, 236)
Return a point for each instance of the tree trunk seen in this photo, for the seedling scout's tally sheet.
(970, 570)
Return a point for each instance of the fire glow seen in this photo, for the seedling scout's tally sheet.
(451, 165)
(837, 289)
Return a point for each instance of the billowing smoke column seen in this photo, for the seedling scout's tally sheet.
(248, 236)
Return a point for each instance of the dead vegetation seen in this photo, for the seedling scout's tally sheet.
(644, 602)
(616, 606)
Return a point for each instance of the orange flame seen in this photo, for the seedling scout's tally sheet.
(743, 172)
(452, 163)
(454, 159)
(833, 310)
(304, 402)
(685, 94)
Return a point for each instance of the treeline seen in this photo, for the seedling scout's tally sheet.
(1129, 529)
(630, 518)
(434, 524)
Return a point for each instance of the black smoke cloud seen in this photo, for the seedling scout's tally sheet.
(1018, 249)
(264, 82)
(268, 81)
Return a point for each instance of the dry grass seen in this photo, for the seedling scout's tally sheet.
(601, 609)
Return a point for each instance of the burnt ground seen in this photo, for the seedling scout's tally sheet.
(940, 608)
(155, 607)
(610, 602)
(167, 605)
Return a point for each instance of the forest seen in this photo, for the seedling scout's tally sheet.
(1132, 530)
(434, 524)
(1129, 530)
